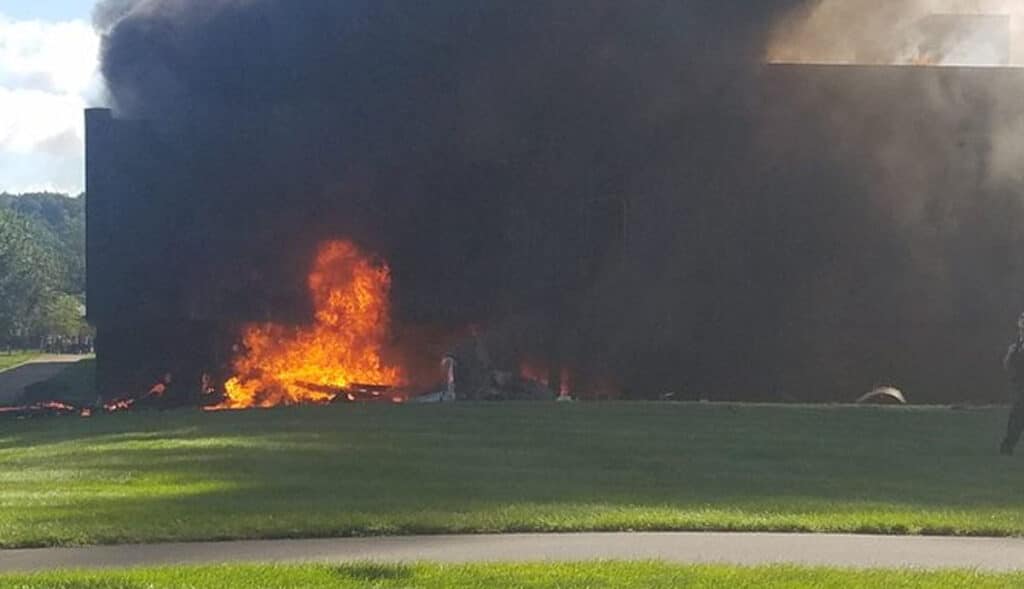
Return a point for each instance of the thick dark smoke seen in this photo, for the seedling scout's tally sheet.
(622, 185)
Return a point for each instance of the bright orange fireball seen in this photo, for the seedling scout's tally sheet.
(283, 365)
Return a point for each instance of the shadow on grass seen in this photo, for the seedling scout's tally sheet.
(371, 470)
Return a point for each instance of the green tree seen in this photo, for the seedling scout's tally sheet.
(29, 275)
(61, 315)
(58, 221)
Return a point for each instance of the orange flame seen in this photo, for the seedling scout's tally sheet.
(312, 365)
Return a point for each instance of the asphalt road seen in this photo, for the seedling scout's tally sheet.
(848, 551)
(14, 381)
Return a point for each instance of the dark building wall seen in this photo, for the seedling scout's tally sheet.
(139, 283)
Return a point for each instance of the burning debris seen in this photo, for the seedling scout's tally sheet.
(44, 409)
(155, 397)
(339, 358)
(340, 354)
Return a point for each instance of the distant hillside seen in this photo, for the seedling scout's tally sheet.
(42, 267)
(59, 220)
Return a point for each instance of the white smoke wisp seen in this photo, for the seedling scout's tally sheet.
(908, 32)
(106, 14)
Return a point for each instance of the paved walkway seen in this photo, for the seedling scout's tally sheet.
(987, 554)
(40, 368)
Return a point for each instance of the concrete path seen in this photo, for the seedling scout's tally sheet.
(987, 554)
(40, 368)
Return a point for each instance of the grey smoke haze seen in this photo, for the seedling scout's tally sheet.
(951, 32)
(792, 230)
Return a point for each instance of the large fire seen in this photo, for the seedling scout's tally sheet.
(281, 365)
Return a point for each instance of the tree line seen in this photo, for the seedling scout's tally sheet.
(42, 268)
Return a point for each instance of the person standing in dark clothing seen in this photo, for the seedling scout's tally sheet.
(1013, 363)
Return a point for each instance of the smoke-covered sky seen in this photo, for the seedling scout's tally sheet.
(48, 59)
(49, 56)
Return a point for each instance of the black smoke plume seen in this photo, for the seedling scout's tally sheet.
(623, 185)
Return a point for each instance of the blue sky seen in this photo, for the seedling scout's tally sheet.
(49, 57)
(52, 10)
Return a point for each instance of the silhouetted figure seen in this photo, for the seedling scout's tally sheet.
(1013, 362)
(448, 369)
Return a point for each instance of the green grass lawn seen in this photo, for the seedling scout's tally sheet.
(12, 359)
(567, 576)
(360, 470)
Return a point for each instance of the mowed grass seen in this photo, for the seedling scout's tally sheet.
(566, 576)
(365, 470)
(11, 359)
